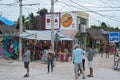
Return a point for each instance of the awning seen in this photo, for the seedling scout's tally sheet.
(66, 39)
(69, 33)
(43, 35)
(35, 34)
(62, 37)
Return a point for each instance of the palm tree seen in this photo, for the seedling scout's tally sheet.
(42, 12)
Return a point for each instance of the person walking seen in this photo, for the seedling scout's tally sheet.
(50, 59)
(26, 59)
(107, 51)
(83, 61)
(90, 54)
(83, 58)
(77, 60)
(102, 50)
(114, 50)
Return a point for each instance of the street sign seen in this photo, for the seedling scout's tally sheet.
(114, 36)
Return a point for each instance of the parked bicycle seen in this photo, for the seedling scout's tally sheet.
(117, 62)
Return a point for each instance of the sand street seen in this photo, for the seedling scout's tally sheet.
(14, 70)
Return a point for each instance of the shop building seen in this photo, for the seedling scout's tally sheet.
(9, 44)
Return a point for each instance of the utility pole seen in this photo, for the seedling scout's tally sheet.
(0, 13)
(21, 27)
(20, 30)
(52, 24)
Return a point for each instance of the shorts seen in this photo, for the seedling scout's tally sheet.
(90, 64)
(26, 64)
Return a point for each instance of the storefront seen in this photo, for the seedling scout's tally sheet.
(41, 40)
(95, 38)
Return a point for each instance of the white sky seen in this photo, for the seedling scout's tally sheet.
(102, 10)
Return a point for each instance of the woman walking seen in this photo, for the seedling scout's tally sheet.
(50, 59)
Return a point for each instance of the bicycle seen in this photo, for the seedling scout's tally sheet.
(117, 64)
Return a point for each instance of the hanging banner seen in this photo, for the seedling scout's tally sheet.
(68, 21)
(56, 21)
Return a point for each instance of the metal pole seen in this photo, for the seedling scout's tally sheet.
(52, 24)
(20, 30)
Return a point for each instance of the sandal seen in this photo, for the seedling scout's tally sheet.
(89, 75)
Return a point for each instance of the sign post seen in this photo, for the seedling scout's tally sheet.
(114, 37)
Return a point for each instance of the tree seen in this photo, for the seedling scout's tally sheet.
(42, 12)
(105, 27)
(41, 18)
(95, 27)
(30, 22)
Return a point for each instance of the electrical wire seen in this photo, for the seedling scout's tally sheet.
(95, 12)
(29, 8)
(102, 7)
(63, 6)
(91, 3)
(105, 3)
(102, 10)
(92, 11)
(96, 6)
(111, 2)
(70, 5)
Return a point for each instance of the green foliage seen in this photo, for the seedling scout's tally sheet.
(105, 27)
(42, 12)
(30, 22)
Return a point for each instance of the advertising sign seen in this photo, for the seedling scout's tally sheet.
(56, 21)
(68, 21)
(114, 36)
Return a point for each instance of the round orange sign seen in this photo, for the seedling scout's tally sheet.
(66, 20)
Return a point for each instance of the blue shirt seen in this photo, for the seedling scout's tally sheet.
(77, 55)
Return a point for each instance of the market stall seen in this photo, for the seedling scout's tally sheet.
(41, 40)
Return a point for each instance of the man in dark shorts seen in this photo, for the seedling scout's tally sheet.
(26, 59)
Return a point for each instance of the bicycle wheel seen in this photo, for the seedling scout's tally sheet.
(116, 65)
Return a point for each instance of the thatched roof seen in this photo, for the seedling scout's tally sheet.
(95, 34)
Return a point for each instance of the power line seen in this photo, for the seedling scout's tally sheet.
(105, 3)
(93, 6)
(95, 12)
(69, 5)
(102, 10)
(91, 3)
(83, 11)
(102, 7)
(29, 8)
(112, 2)
(96, 6)
(31, 4)
(15, 4)
(7, 4)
